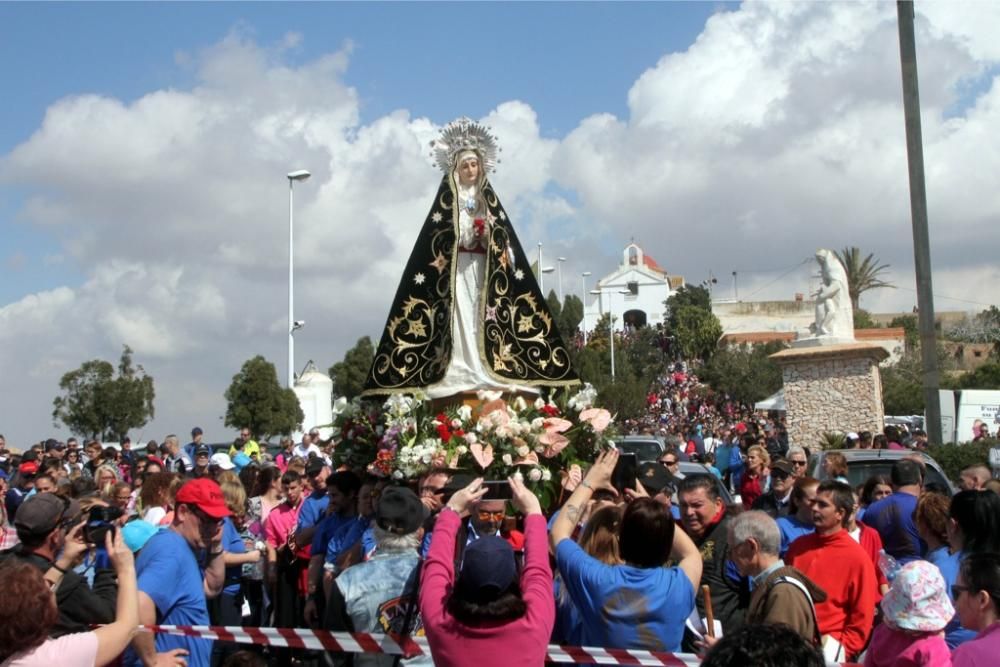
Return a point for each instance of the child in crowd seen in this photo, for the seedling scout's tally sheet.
(916, 609)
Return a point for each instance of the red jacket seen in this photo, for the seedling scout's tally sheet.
(838, 565)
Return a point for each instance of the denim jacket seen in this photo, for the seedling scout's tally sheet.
(373, 596)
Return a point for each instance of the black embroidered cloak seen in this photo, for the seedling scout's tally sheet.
(518, 340)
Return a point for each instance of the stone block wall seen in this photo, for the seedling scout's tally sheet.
(831, 389)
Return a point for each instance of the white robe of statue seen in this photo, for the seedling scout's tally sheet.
(466, 372)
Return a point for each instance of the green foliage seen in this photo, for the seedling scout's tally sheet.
(697, 331)
(986, 376)
(744, 372)
(552, 300)
(688, 295)
(863, 319)
(953, 458)
(349, 375)
(903, 383)
(910, 326)
(830, 440)
(638, 361)
(863, 274)
(570, 317)
(256, 400)
(96, 404)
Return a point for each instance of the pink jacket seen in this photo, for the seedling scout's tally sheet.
(520, 642)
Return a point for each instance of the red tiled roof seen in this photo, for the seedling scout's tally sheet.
(651, 264)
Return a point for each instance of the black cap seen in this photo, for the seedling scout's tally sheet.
(52, 443)
(782, 465)
(42, 512)
(202, 450)
(315, 466)
(655, 478)
(399, 511)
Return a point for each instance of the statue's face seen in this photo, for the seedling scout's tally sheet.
(468, 171)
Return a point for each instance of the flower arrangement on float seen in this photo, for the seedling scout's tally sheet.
(544, 442)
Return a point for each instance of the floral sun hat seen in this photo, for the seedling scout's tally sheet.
(918, 600)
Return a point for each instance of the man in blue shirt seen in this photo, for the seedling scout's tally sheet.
(178, 569)
(892, 516)
(342, 506)
(314, 506)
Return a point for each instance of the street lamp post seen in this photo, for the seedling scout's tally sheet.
(293, 176)
(559, 265)
(541, 278)
(611, 326)
(583, 295)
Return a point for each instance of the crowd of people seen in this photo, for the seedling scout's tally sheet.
(804, 570)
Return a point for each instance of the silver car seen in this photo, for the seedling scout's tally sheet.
(864, 463)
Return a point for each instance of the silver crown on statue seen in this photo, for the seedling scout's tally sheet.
(465, 134)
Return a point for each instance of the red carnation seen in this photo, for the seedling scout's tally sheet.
(480, 226)
(550, 410)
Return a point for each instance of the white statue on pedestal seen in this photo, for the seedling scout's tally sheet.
(834, 312)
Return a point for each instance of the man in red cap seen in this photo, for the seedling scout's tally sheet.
(172, 588)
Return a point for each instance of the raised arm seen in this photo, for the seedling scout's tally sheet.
(599, 476)
(439, 568)
(536, 577)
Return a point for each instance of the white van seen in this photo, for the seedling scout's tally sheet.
(962, 407)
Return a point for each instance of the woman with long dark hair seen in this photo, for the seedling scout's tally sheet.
(977, 600)
(475, 616)
(973, 527)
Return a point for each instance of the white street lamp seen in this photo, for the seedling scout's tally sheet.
(293, 324)
(547, 269)
(611, 325)
(559, 265)
(583, 295)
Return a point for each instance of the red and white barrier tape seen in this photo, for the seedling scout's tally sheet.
(358, 642)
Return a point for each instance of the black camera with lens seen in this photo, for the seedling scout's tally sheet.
(100, 521)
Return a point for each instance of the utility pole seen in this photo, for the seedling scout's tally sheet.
(918, 212)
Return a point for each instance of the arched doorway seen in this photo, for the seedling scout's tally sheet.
(634, 319)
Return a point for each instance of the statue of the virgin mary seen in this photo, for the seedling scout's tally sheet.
(468, 314)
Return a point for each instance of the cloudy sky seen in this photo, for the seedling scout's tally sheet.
(144, 147)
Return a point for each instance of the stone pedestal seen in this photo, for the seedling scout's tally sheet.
(831, 388)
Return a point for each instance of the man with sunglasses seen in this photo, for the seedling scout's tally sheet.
(798, 460)
(178, 569)
(50, 529)
(776, 501)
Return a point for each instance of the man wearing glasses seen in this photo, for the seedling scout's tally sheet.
(178, 569)
(250, 446)
(671, 462)
(776, 502)
(50, 529)
(798, 460)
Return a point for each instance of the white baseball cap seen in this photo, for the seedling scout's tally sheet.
(222, 460)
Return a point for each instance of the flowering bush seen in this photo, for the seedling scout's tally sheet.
(542, 442)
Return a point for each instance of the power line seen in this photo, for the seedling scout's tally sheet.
(760, 289)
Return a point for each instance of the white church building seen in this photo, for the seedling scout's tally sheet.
(633, 293)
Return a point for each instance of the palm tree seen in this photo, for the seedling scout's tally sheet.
(862, 274)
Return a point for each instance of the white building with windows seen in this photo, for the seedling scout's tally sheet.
(633, 293)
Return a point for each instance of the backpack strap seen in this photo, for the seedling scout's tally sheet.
(805, 591)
